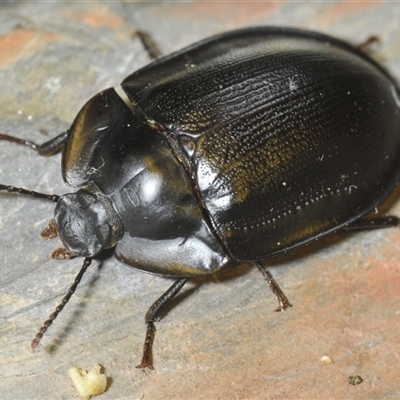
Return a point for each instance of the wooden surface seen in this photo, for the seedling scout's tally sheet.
(221, 339)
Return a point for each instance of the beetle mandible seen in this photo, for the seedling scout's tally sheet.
(238, 148)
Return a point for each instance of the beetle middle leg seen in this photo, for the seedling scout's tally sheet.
(149, 44)
(154, 314)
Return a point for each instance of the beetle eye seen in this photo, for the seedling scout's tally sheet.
(103, 233)
(85, 198)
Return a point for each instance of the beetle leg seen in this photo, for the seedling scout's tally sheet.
(48, 148)
(371, 223)
(148, 43)
(367, 45)
(154, 314)
(276, 290)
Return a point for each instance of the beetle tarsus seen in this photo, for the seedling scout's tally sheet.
(147, 347)
(389, 221)
(276, 290)
(16, 140)
(149, 44)
(48, 148)
(154, 314)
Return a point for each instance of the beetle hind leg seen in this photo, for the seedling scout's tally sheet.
(154, 314)
(389, 221)
(276, 290)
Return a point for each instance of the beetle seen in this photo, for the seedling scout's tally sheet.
(238, 148)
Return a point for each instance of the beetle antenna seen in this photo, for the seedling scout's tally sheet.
(35, 342)
(13, 189)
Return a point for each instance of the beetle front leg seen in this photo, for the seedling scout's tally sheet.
(48, 148)
(154, 314)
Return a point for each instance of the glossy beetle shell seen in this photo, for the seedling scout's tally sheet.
(285, 135)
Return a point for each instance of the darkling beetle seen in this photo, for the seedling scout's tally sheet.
(237, 148)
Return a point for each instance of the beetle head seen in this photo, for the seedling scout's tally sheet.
(86, 221)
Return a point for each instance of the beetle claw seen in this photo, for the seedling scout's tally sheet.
(144, 364)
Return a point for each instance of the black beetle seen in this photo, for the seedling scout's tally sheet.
(237, 148)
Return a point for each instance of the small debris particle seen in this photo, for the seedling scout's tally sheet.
(355, 380)
(325, 359)
(90, 383)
